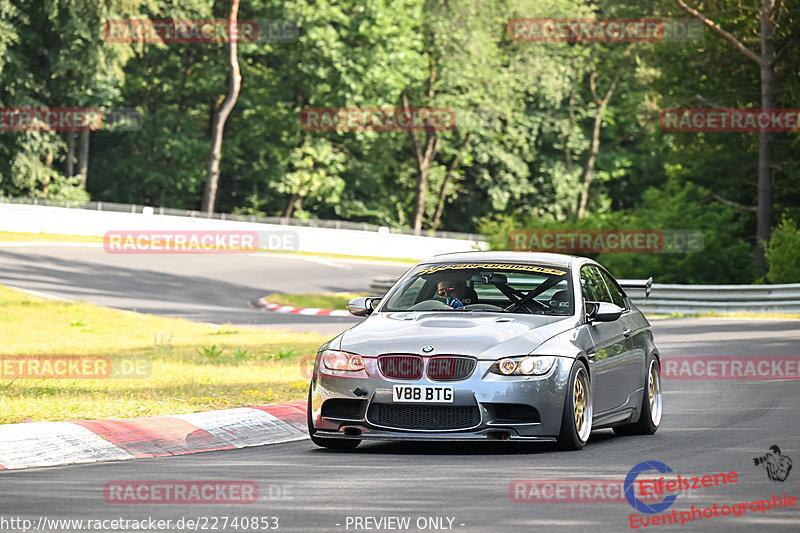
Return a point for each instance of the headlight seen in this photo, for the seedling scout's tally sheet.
(336, 360)
(507, 366)
(529, 365)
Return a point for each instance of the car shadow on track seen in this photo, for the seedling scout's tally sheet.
(463, 448)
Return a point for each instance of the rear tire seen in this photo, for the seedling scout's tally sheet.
(652, 402)
(576, 420)
(333, 444)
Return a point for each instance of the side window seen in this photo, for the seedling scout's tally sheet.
(616, 293)
(594, 289)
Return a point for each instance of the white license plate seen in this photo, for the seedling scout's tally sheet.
(422, 393)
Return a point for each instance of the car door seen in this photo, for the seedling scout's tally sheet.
(608, 355)
(635, 333)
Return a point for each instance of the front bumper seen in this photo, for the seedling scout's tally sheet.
(483, 435)
(486, 406)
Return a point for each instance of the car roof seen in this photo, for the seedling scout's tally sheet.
(561, 260)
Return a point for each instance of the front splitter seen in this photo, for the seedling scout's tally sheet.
(493, 435)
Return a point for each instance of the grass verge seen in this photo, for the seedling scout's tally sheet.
(327, 300)
(13, 236)
(202, 367)
(724, 315)
(9, 236)
(338, 300)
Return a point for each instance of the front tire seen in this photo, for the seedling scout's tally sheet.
(576, 421)
(652, 405)
(333, 444)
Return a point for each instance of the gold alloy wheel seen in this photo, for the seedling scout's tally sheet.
(582, 406)
(654, 392)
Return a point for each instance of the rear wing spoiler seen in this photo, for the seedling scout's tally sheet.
(644, 284)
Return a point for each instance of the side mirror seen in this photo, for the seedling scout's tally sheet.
(362, 306)
(603, 312)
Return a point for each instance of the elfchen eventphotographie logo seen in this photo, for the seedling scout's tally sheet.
(654, 514)
(775, 463)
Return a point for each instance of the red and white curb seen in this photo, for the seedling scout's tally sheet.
(262, 303)
(39, 444)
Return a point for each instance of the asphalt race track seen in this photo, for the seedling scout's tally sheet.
(207, 288)
(709, 426)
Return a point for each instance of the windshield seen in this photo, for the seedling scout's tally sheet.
(492, 287)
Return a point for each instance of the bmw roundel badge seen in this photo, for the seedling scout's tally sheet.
(427, 348)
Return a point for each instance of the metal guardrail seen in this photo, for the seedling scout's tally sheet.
(380, 286)
(668, 298)
(313, 223)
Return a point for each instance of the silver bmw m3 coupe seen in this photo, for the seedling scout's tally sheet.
(490, 345)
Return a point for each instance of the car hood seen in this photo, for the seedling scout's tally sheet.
(483, 335)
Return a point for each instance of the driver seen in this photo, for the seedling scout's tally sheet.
(453, 292)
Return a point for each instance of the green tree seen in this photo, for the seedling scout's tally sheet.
(55, 56)
(315, 175)
(783, 253)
